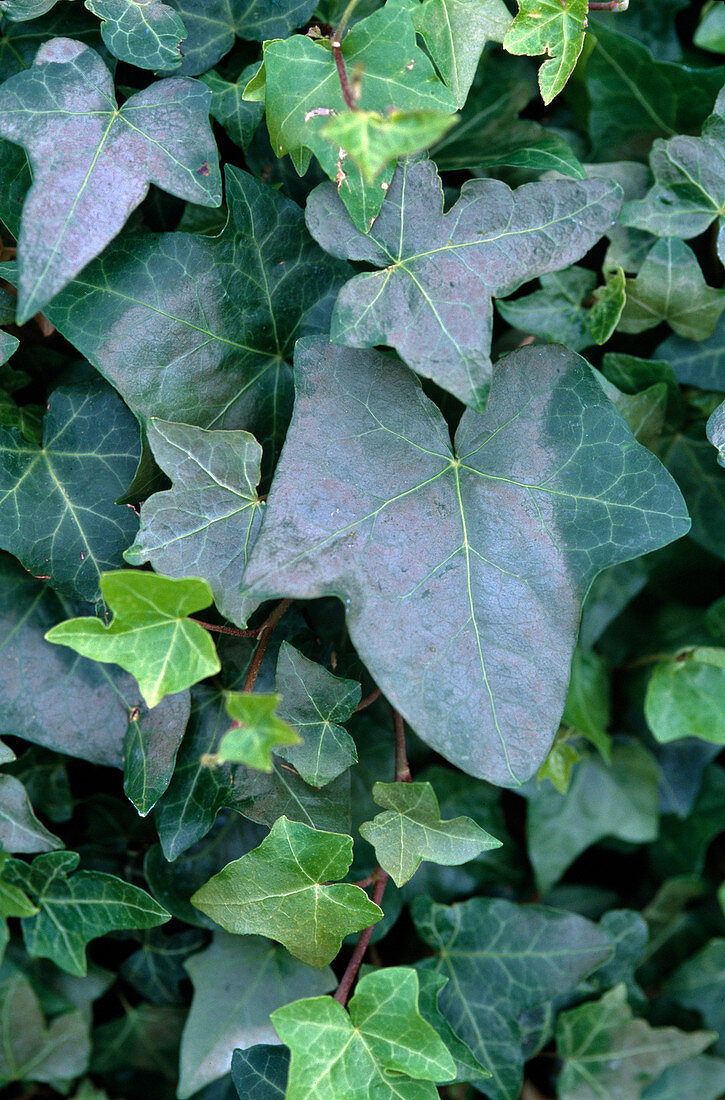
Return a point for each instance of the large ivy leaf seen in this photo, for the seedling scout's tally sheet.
(261, 1072)
(502, 959)
(548, 26)
(456, 32)
(607, 1052)
(671, 287)
(237, 983)
(488, 243)
(20, 830)
(78, 473)
(76, 908)
(411, 830)
(300, 87)
(160, 136)
(220, 316)
(315, 703)
(205, 525)
(458, 544)
(147, 33)
(278, 889)
(33, 1050)
(151, 634)
(382, 1047)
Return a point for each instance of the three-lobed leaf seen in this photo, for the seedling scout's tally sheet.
(670, 287)
(258, 731)
(552, 27)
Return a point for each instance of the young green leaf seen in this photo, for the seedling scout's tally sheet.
(456, 32)
(147, 33)
(20, 830)
(489, 242)
(382, 1047)
(411, 830)
(548, 26)
(558, 312)
(315, 703)
(388, 467)
(160, 136)
(76, 908)
(149, 750)
(151, 634)
(205, 525)
(710, 35)
(686, 697)
(607, 1052)
(279, 890)
(670, 287)
(375, 140)
(258, 731)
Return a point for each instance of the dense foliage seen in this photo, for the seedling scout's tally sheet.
(362, 526)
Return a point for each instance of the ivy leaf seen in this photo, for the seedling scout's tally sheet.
(382, 1046)
(670, 287)
(411, 830)
(33, 1050)
(79, 474)
(147, 33)
(588, 700)
(467, 1066)
(689, 189)
(277, 889)
(300, 87)
(503, 959)
(239, 118)
(205, 525)
(156, 970)
(548, 26)
(238, 982)
(20, 830)
(261, 1072)
(716, 432)
(375, 140)
(697, 984)
(489, 242)
(456, 32)
(315, 703)
(76, 908)
(258, 731)
(145, 1038)
(150, 747)
(220, 316)
(607, 1052)
(264, 797)
(388, 466)
(686, 696)
(557, 311)
(151, 635)
(22, 10)
(703, 1074)
(710, 35)
(690, 458)
(160, 136)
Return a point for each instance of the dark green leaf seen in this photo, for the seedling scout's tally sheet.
(698, 985)
(670, 287)
(20, 830)
(146, 1037)
(703, 1075)
(32, 1050)
(149, 750)
(697, 364)
(260, 1073)
(239, 118)
(147, 33)
(156, 971)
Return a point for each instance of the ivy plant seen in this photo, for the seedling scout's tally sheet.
(362, 549)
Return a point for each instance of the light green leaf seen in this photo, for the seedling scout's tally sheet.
(13, 902)
(78, 473)
(239, 118)
(20, 830)
(160, 136)
(151, 635)
(609, 301)
(710, 34)
(588, 702)
(76, 908)
(258, 731)
(278, 890)
(491, 240)
(456, 32)
(411, 830)
(557, 767)
(205, 525)
(670, 287)
(149, 750)
(381, 1047)
(607, 1052)
(238, 982)
(686, 697)
(147, 33)
(33, 1050)
(511, 604)
(548, 26)
(375, 140)
(315, 703)
(716, 432)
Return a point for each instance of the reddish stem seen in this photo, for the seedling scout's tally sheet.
(608, 5)
(347, 92)
(265, 635)
(234, 630)
(368, 699)
(343, 990)
(402, 768)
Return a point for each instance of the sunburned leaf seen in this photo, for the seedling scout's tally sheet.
(258, 731)
(160, 136)
(315, 703)
(147, 33)
(670, 287)
(20, 830)
(151, 634)
(301, 89)
(382, 1048)
(502, 959)
(431, 301)
(548, 26)
(33, 1050)
(716, 432)
(411, 830)
(375, 140)
(455, 32)
(149, 750)
(239, 118)
(261, 1072)
(278, 890)
(205, 525)
(689, 189)
(76, 908)
(686, 696)
(79, 472)
(454, 560)
(607, 1052)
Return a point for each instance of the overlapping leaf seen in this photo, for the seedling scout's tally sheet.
(431, 301)
(149, 749)
(159, 136)
(548, 26)
(258, 731)
(456, 32)
(239, 118)
(32, 1050)
(20, 830)
(459, 543)
(260, 1073)
(147, 33)
(671, 287)
(686, 696)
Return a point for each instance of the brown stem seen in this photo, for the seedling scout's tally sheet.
(368, 699)
(347, 92)
(265, 635)
(235, 631)
(343, 990)
(402, 768)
